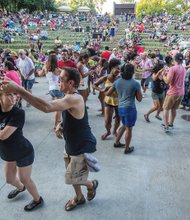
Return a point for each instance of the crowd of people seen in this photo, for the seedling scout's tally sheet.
(72, 75)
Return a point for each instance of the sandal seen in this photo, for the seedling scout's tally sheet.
(92, 192)
(131, 149)
(158, 117)
(71, 204)
(15, 192)
(146, 118)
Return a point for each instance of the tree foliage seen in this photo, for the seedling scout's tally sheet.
(157, 6)
(92, 4)
(30, 5)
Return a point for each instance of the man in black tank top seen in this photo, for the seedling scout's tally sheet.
(75, 129)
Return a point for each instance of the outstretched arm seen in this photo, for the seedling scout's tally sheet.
(45, 106)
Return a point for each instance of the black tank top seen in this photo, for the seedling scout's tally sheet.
(77, 134)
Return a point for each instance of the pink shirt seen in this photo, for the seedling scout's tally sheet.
(13, 75)
(146, 64)
(177, 74)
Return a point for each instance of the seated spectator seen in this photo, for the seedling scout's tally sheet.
(44, 35)
(58, 42)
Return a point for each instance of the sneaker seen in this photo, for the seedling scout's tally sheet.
(14, 193)
(171, 126)
(34, 204)
(166, 129)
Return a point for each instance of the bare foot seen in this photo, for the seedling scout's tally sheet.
(104, 136)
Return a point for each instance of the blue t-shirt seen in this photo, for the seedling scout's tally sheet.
(126, 90)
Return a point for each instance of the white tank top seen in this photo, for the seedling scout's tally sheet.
(52, 81)
(84, 81)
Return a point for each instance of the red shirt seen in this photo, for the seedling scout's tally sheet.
(69, 63)
(106, 55)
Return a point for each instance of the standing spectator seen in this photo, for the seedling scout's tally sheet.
(175, 78)
(106, 54)
(66, 62)
(26, 68)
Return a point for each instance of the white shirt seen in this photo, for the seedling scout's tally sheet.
(25, 66)
(53, 81)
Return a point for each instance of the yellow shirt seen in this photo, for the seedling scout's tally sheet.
(113, 98)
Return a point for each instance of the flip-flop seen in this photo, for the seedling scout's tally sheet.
(146, 118)
(71, 204)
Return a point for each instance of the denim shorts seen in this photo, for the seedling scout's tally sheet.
(56, 94)
(156, 96)
(128, 116)
(28, 84)
(26, 161)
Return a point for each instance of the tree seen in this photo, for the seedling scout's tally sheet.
(127, 1)
(99, 4)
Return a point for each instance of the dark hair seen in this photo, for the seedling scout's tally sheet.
(127, 71)
(52, 62)
(107, 48)
(157, 67)
(179, 58)
(83, 56)
(133, 55)
(91, 52)
(104, 63)
(73, 74)
(113, 63)
(65, 51)
(168, 59)
(10, 59)
(9, 65)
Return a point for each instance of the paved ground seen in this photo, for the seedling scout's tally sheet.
(153, 183)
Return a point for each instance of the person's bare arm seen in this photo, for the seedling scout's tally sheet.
(167, 79)
(156, 75)
(99, 82)
(80, 69)
(7, 132)
(68, 102)
(110, 91)
(138, 96)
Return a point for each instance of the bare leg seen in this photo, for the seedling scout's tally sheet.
(78, 190)
(128, 137)
(120, 134)
(172, 116)
(10, 174)
(117, 122)
(108, 119)
(25, 178)
(166, 115)
(154, 108)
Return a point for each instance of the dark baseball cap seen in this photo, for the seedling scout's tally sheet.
(179, 57)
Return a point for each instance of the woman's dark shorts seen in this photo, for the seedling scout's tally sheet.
(26, 161)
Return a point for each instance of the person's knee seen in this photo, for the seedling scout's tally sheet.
(25, 180)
